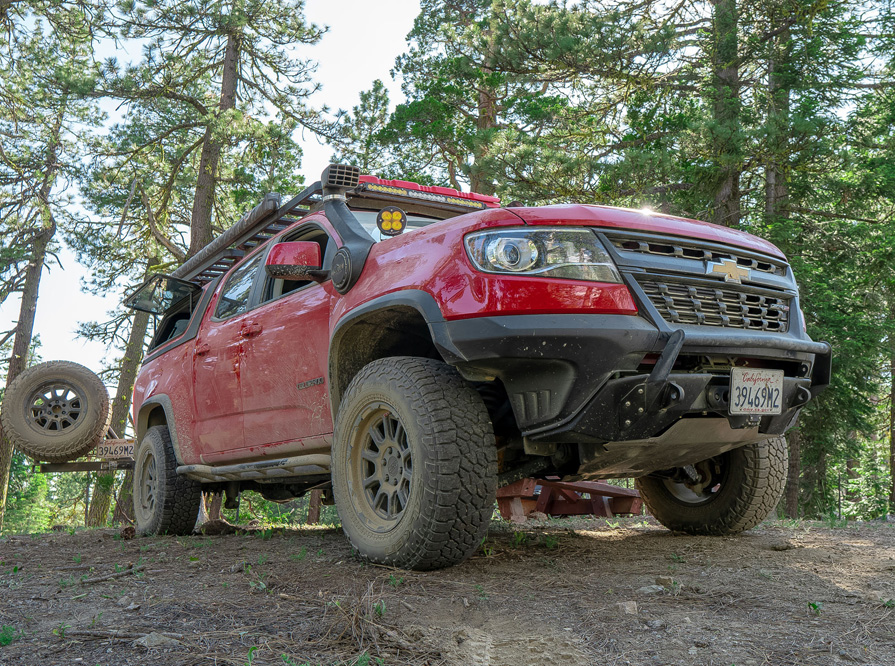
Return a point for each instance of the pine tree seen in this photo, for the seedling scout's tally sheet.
(242, 47)
(44, 76)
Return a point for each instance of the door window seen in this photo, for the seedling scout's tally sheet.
(236, 292)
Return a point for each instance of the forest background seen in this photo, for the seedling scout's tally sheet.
(776, 117)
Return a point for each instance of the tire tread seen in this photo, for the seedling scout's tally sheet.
(764, 466)
(459, 433)
(177, 506)
(60, 448)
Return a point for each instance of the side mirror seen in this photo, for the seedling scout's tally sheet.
(298, 260)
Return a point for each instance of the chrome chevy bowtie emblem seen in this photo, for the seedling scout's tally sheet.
(729, 269)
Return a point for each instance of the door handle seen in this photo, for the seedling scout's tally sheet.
(202, 349)
(250, 330)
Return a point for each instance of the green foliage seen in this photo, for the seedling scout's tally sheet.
(28, 507)
(8, 635)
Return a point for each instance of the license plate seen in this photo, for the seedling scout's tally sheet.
(756, 391)
(114, 448)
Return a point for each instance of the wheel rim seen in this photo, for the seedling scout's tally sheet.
(55, 407)
(710, 478)
(147, 488)
(381, 467)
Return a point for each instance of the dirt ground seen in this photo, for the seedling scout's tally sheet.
(592, 591)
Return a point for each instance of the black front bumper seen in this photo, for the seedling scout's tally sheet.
(575, 378)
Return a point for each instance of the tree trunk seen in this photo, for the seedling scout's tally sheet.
(725, 91)
(794, 439)
(777, 123)
(201, 232)
(892, 406)
(22, 345)
(133, 355)
(214, 503)
(28, 308)
(479, 179)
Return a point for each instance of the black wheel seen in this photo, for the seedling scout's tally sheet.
(56, 411)
(414, 464)
(726, 494)
(164, 503)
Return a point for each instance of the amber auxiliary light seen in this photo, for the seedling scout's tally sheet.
(391, 221)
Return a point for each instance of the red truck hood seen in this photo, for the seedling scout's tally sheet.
(627, 218)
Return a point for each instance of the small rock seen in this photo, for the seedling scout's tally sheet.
(627, 607)
(134, 606)
(650, 589)
(154, 640)
(782, 545)
(664, 581)
(692, 650)
(123, 601)
(655, 624)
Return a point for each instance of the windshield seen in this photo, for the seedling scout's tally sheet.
(159, 293)
(367, 218)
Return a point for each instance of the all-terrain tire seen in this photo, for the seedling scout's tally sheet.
(164, 502)
(751, 483)
(56, 411)
(441, 441)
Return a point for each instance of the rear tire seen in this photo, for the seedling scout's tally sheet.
(414, 464)
(56, 411)
(737, 490)
(164, 502)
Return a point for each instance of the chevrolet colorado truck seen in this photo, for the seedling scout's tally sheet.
(410, 349)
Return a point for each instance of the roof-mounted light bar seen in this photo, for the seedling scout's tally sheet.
(371, 187)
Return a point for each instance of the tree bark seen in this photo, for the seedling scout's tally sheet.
(479, 179)
(201, 232)
(725, 132)
(892, 406)
(103, 491)
(777, 123)
(791, 508)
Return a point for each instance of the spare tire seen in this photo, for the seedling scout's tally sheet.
(56, 411)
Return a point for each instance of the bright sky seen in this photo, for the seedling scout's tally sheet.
(362, 43)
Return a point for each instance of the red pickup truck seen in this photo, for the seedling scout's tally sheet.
(410, 349)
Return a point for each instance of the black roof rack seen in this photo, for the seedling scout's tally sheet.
(256, 227)
(271, 216)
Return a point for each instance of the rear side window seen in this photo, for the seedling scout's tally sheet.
(235, 295)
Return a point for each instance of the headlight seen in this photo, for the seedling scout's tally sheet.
(553, 252)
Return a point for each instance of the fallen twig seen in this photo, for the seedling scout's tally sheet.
(117, 574)
(115, 633)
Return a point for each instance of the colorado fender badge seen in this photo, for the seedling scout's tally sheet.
(310, 383)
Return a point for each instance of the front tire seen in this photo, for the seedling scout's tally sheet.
(414, 464)
(164, 502)
(734, 492)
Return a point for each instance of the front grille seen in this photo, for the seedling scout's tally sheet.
(681, 303)
(691, 251)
